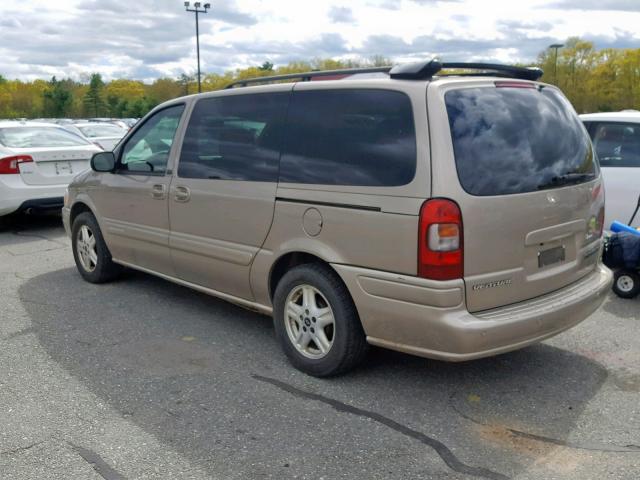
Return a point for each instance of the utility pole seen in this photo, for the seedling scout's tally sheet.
(198, 8)
(555, 46)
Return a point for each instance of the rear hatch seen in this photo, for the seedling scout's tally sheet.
(57, 155)
(519, 163)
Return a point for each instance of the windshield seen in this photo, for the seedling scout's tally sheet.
(37, 137)
(104, 130)
(516, 140)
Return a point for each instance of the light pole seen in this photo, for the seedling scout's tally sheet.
(198, 10)
(556, 46)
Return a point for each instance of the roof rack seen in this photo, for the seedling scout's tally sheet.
(307, 76)
(407, 71)
(425, 70)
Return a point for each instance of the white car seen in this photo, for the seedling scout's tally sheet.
(37, 162)
(616, 139)
(104, 135)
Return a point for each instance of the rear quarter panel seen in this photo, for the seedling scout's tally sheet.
(370, 227)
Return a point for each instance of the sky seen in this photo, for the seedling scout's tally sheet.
(147, 39)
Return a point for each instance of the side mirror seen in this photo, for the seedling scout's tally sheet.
(103, 162)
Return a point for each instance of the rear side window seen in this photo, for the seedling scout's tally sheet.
(235, 138)
(349, 137)
(515, 140)
(617, 144)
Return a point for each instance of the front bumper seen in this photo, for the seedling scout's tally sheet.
(430, 319)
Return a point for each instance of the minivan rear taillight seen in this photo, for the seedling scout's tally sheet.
(440, 246)
(9, 165)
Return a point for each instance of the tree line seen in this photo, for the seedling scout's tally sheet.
(593, 80)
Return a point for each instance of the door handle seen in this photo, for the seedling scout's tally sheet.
(182, 194)
(159, 191)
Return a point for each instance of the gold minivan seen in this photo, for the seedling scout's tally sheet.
(448, 215)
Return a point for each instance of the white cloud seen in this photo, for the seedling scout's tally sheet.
(150, 38)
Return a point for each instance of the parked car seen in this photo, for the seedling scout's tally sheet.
(120, 123)
(105, 135)
(37, 162)
(616, 139)
(130, 122)
(452, 217)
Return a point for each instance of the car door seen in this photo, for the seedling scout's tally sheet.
(223, 194)
(618, 147)
(132, 201)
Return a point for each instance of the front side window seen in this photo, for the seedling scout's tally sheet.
(509, 140)
(38, 137)
(147, 151)
(358, 137)
(617, 144)
(235, 138)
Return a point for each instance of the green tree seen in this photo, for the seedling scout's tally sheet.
(139, 107)
(185, 80)
(57, 99)
(163, 89)
(266, 66)
(93, 101)
(112, 105)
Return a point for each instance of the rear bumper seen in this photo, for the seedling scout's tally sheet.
(430, 319)
(15, 195)
(53, 203)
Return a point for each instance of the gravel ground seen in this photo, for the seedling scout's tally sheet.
(142, 379)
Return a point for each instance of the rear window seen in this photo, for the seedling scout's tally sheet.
(37, 137)
(617, 144)
(349, 137)
(93, 131)
(517, 140)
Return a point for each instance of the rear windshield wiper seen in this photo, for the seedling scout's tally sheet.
(567, 179)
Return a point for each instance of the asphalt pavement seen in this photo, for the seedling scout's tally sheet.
(144, 379)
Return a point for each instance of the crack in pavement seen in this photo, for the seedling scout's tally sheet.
(445, 453)
(19, 333)
(563, 443)
(54, 249)
(21, 449)
(595, 447)
(19, 233)
(103, 469)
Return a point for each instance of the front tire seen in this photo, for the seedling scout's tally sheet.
(90, 252)
(626, 283)
(316, 321)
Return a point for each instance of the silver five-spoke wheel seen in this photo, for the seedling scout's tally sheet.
(86, 247)
(309, 321)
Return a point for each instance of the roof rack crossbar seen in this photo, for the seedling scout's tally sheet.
(307, 76)
(426, 70)
(407, 71)
(524, 73)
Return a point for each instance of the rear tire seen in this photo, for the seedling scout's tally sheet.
(90, 252)
(626, 283)
(317, 323)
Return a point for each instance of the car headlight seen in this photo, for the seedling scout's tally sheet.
(66, 197)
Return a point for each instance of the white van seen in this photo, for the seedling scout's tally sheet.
(616, 138)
